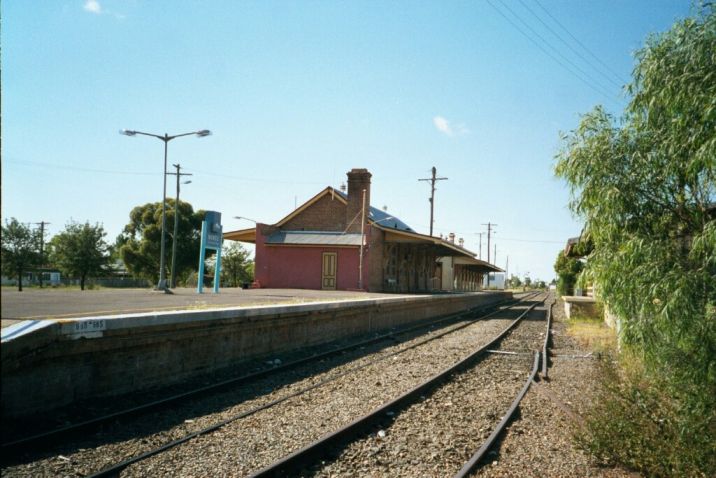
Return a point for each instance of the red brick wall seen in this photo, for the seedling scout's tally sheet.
(326, 214)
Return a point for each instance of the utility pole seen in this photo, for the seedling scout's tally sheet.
(42, 225)
(178, 174)
(432, 194)
(494, 256)
(362, 241)
(479, 256)
(490, 228)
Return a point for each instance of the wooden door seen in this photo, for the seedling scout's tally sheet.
(328, 271)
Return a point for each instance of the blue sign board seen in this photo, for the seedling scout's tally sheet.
(211, 238)
(213, 230)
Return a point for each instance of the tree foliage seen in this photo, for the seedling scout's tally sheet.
(20, 249)
(139, 246)
(514, 281)
(568, 270)
(236, 265)
(646, 188)
(80, 251)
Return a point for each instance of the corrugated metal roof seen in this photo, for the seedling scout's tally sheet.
(314, 238)
(382, 218)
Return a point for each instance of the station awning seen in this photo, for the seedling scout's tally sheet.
(242, 235)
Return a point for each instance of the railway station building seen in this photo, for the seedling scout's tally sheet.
(337, 241)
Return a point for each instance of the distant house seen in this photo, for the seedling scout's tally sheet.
(336, 240)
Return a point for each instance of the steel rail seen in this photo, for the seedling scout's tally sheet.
(312, 452)
(114, 469)
(547, 340)
(153, 405)
(475, 459)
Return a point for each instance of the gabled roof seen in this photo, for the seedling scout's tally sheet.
(328, 190)
(395, 229)
(380, 217)
(375, 216)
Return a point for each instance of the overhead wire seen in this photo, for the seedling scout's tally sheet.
(584, 47)
(244, 178)
(568, 45)
(144, 173)
(597, 88)
(77, 168)
(594, 83)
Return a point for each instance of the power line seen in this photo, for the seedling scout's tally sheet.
(548, 53)
(76, 168)
(532, 240)
(138, 173)
(553, 48)
(244, 178)
(568, 45)
(616, 75)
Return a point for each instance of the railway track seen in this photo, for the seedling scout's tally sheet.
(252, 414)
(405, 437)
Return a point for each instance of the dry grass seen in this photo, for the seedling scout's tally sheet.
(592, 334)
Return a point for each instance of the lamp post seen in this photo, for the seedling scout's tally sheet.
(162, 285)
(245, 219)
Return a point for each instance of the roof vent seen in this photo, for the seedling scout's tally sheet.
(452, 237)
(461, 241)
(343, 187)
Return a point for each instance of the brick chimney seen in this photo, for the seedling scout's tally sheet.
(358, 180)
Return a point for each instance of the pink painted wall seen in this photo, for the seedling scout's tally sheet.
(300, 267)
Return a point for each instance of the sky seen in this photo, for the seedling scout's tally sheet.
(297, 93)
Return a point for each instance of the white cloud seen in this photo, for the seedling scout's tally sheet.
(93, 6)
(444, 126)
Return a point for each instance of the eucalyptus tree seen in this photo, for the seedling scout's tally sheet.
(139, 245)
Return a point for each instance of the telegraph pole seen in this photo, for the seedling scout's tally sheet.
(42, 225)
(178, 174)
(480, 253)
(432, 194)
(490, 228)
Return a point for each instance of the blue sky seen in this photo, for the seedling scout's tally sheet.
(297, 93)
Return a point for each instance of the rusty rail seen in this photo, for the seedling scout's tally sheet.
(475, 459)
(314, 451)
(547, 340)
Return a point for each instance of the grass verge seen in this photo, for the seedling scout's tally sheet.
(638, 421)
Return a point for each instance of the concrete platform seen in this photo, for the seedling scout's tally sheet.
(48, 303)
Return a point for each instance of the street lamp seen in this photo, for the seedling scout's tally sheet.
(162, 285)
(245, 219)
